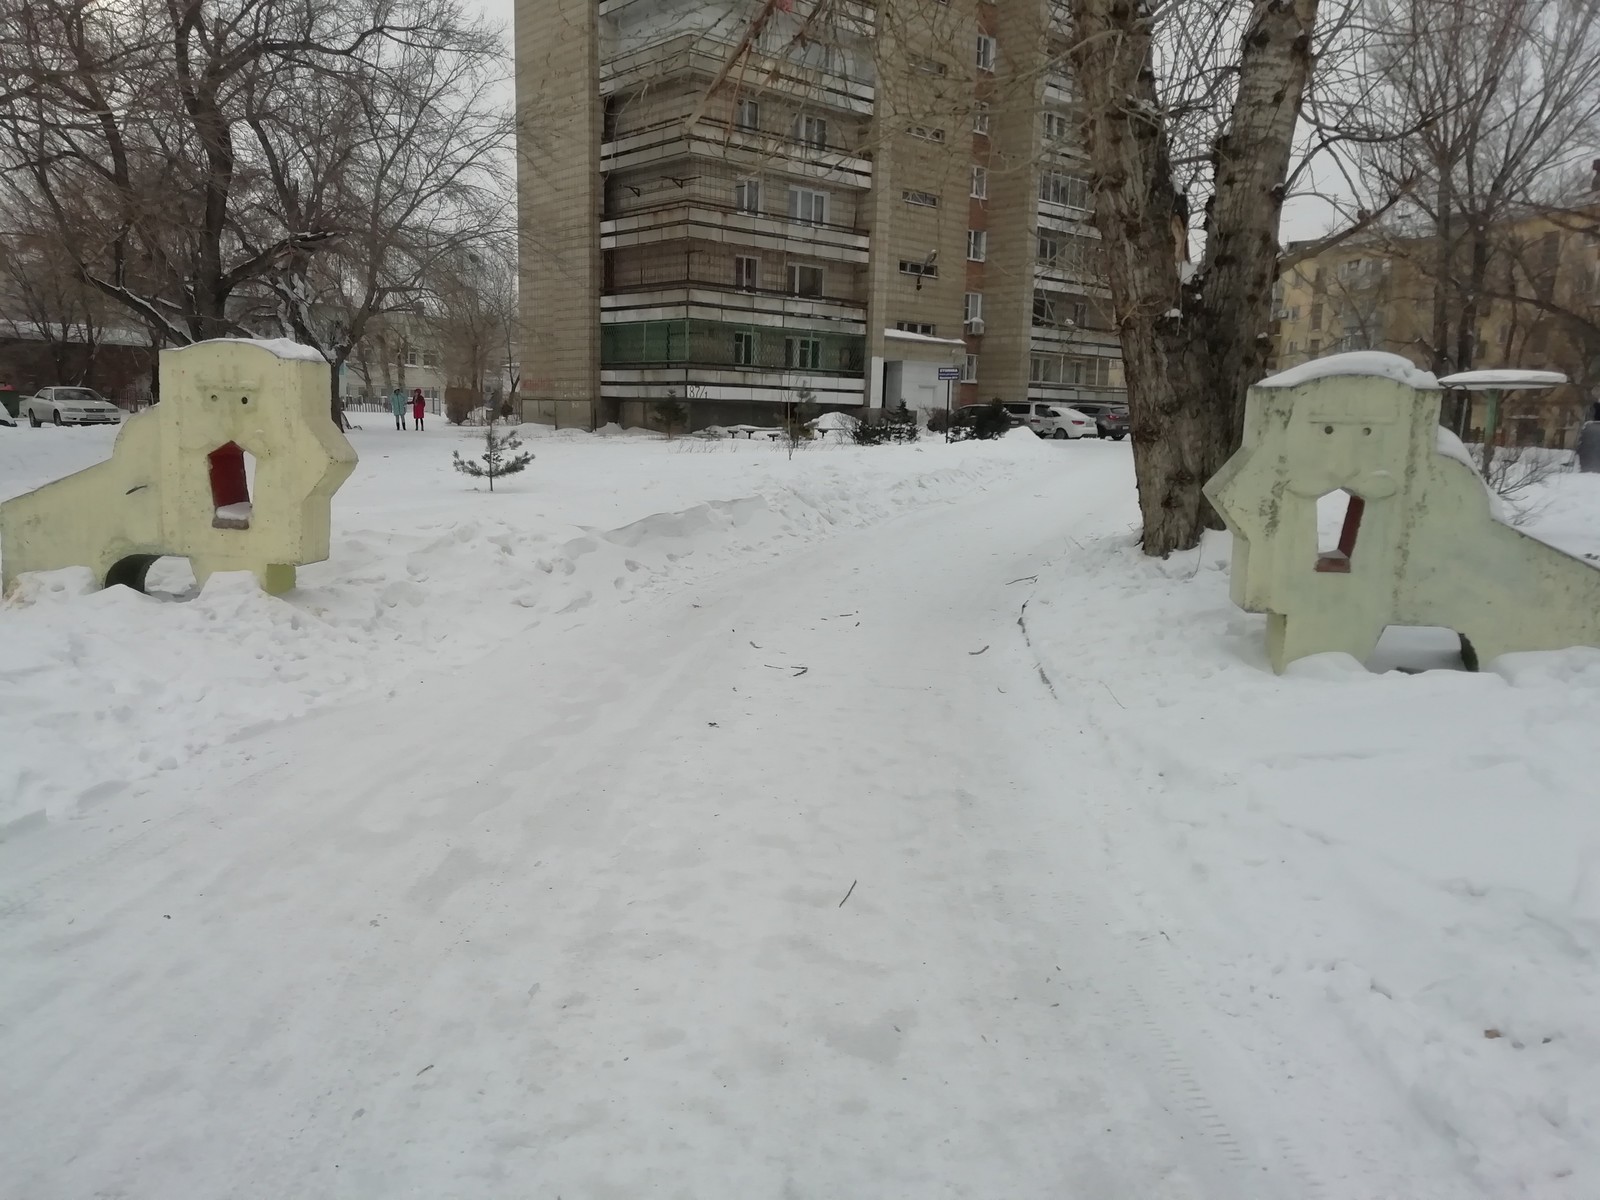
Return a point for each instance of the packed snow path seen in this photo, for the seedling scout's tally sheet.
(795, 884)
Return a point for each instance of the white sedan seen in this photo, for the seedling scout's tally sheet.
(68, 406)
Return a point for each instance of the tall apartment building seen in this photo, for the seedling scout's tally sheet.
(737, 203)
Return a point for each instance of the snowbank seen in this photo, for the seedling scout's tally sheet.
(104, 688)
(1411, 860)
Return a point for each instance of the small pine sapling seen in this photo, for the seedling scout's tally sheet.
(502, 455)
(672, 415)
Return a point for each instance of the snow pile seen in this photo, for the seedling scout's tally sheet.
(1411, 861)
(1378, 363)
(103, 688)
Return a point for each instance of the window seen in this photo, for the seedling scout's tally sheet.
(922, 199)
(430, 358)
(980, 183)
(972, 307)
(1315, 346)
(805, 280)
(926, 134)
(746, 273)
(980, 120)
(802, 354)
(413, 357)
(1316, 315)
(929, 66)
(811, 131)
(747, 115)
(807, 206)
(1044, 368)
(985, 52)
(925, 269)
(1294, 312)
(977, 245)
(1055, 127)
(1061, 187)
(1049, 249)
(969, 369)
(744, 348)
(923, 328)
(747, 195)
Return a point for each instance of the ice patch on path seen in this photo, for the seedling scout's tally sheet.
(99, 689)
(1408, 861)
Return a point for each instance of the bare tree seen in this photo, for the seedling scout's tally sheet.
(1496, 98)
(1192, 341)
(300, 163)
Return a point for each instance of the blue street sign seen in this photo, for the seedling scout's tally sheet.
(949, 372)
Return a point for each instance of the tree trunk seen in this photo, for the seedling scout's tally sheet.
(1190, 350)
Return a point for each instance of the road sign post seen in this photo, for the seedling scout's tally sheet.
(949, 375)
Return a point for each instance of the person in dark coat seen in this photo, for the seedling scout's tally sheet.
(419, 406)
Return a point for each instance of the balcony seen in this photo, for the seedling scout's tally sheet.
(719, 300)
(690, 213)
(668, 141)
(845, 85)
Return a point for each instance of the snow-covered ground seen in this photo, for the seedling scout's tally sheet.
(697, 822)
(428, 568)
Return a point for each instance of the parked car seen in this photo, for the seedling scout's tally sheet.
(69, 406)
(1110, 418)
(1051, 420)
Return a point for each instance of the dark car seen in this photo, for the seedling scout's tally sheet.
(1110, 419)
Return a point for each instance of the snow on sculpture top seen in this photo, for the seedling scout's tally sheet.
(1419, 544)
(1375, 363)
(177, 481)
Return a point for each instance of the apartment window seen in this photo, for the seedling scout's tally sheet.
(1294, 347)
(1044, 368)
(746, 273)
(921, 199)
(1294, 312)
(1315, 346)
(805, 280)
(1316, 315)
(985, 52)
(413, 357)
(747, 195)
(1061, 187)
(802, 354)
(980, 120)
(929, 66)
(807, 206)
(1055, 127)
(747, 115)
(744, 348)
(430, 358)
(972, 307)
(925, 269)
(969, 369)
(925, 133)
(1049, 249)
(980, 183)
(922, 327)
(977, 245)
(811, 131)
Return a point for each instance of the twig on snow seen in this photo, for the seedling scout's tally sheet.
(975, 653)
(1025, 579)
(850, 893)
